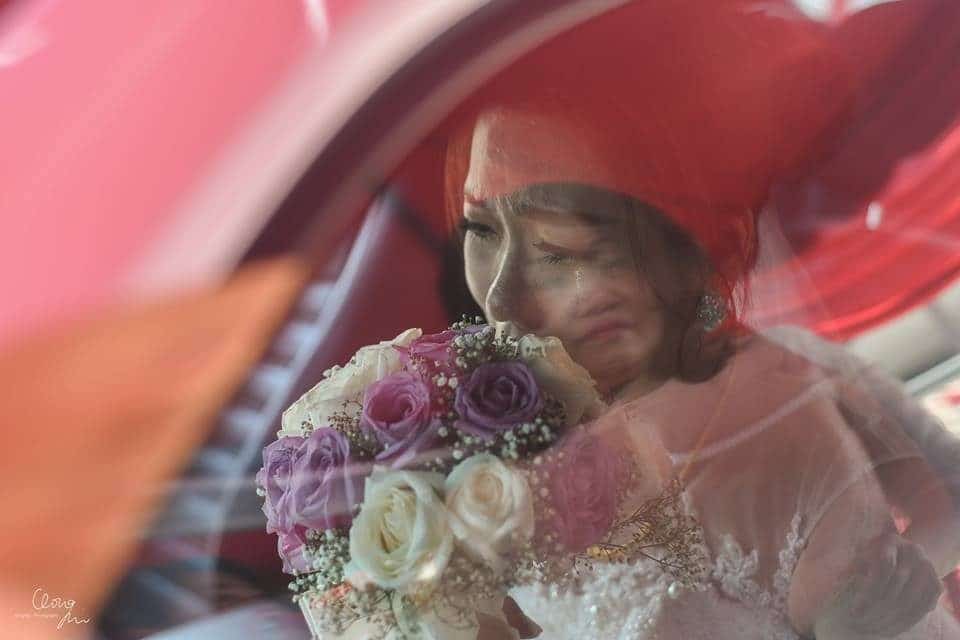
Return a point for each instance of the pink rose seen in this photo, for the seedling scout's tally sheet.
(396, 413)
(436, 348)
(584, 484)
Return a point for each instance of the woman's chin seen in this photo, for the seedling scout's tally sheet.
(608, 348)
(612, 363)
(606, 366)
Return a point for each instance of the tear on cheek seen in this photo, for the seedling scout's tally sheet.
(578, 281)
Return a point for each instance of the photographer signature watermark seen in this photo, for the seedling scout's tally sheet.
(53, 607)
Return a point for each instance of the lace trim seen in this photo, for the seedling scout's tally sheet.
(621, 601)
(604, 588)
(789, 556)
(735, 573)
(596, 608)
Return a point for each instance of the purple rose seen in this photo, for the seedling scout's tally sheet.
(274, 477)
(496, 396)
(291, 546)
(583, 491)
(436, 347)
(327, 483)
(396, 412)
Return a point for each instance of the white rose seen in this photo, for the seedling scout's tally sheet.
(369, 364)
(561, 377)
(401, 537)
(490, 507)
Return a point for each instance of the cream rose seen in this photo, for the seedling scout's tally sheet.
(401, 538)
(490, 507)
(561, 377)
(368, 365)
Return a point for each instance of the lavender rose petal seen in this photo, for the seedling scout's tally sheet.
(497, 396)
(327, 482)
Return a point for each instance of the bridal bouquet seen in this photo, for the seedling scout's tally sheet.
(413, 486)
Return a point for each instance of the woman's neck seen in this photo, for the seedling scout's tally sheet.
(637, 387)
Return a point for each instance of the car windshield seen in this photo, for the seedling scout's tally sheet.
(718, 242)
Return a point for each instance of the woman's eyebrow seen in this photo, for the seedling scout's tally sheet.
(586, 217)
(597, 220)
(520, 206)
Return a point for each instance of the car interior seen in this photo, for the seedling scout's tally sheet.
(369, 216)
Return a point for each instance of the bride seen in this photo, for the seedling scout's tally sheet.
(587, 217)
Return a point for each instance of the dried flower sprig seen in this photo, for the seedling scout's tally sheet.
(661, 531)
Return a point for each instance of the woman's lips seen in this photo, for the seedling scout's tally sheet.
(603, 331)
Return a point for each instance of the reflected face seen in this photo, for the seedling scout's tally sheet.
(544, 261)
(549, 253)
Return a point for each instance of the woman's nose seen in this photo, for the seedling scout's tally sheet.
(510, 298)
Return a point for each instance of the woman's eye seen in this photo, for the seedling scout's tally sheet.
(555, 258)
(554, 254)
(482, 231)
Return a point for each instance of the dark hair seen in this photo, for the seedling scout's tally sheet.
(680, 274)
(670, 260)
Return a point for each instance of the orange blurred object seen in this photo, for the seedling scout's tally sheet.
(100, 416)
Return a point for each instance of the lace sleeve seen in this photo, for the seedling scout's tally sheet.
(841, 507)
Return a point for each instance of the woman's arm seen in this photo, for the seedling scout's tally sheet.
(923, 495)
(856, 577)
(933, 522)
(917, 460)
(892, 587)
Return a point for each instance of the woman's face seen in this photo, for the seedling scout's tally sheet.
(550, 254)
(559, 271)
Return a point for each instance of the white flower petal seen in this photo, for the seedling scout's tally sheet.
(488, 523)
(561, 377)
(403, 506)
(369, 364)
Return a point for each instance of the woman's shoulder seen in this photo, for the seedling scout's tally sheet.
(758, 366)
(762, 385)
(758, 356)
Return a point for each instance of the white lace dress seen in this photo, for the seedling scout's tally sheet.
(639, 600)
(777, 462)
